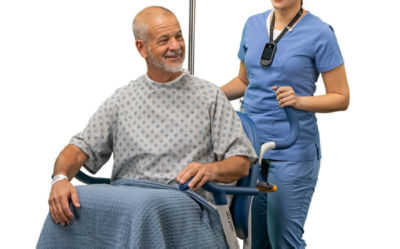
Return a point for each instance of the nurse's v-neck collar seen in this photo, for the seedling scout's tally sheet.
(268, 22)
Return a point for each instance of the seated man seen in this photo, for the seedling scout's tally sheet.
(164, 127)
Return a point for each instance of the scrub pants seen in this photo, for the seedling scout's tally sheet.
(278, 218)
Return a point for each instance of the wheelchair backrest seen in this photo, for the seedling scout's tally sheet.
(241, 205)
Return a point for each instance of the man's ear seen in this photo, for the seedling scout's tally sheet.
(141, 48)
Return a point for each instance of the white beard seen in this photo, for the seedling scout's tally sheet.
(163, 65)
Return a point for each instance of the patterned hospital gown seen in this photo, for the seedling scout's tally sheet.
(154, 129)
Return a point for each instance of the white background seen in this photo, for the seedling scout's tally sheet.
(59, 60)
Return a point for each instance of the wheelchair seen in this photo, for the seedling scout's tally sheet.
(236, 219)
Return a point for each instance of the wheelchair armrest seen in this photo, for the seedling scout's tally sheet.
(82, 177)
(219, 192)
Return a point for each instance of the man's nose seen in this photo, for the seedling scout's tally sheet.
(174, 44)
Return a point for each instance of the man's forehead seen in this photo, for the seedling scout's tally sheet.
(164, 27)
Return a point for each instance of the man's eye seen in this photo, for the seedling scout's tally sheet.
(179, 37)
(162, 42)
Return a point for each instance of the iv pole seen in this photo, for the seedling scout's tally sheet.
(192, 18)
(223, 210)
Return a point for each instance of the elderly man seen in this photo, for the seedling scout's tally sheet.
(165, 127)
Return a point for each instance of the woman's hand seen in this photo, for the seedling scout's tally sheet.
(286, 96)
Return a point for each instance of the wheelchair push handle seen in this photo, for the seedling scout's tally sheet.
(294, 129)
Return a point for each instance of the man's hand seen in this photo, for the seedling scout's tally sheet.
(61, 193)
(201, 173)
(225, 171)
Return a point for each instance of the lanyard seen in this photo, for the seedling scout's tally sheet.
(269, 50)
(289, 26)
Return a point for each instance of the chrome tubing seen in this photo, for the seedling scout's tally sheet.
(192, 19)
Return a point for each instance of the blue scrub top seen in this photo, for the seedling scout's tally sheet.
(309, 49)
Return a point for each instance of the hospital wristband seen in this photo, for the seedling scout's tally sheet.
(58, 178)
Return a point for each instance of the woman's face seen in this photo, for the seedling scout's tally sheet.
(285, 4)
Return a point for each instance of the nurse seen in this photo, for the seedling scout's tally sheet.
(282, 53)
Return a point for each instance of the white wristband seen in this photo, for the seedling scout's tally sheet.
(58, 178)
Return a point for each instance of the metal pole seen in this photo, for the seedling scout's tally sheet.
(192, 18)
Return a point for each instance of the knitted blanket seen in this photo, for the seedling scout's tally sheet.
(136, 214)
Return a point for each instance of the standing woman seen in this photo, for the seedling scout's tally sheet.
(282, 53)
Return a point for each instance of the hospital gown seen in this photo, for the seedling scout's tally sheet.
(155, 129)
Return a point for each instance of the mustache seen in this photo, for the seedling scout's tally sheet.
(174, 53)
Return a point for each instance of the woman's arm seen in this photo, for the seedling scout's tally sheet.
(337, 95)
(235, 88)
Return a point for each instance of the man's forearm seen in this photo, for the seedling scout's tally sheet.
(69, 161)
(225, 171)
(231, 169)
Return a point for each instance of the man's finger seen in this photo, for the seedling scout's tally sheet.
(60, 212)
(187, 173)
(202, 182)
(179, 177)
(54, 215)
(75, 199)
(66, 209)
(194, 183)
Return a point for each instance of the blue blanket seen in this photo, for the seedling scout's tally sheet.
(136, 214)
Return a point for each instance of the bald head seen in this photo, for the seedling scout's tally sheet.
(159, 40)
(145, 17)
